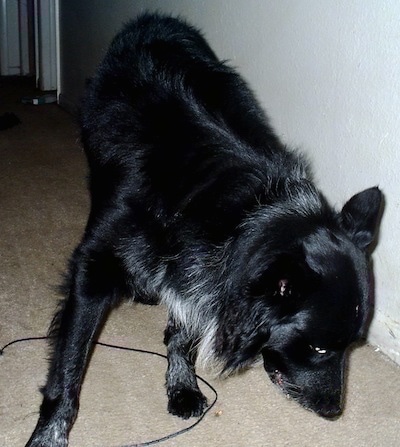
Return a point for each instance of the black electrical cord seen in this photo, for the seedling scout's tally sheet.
(141, 351)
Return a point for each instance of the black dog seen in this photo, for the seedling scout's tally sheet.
(197, 204)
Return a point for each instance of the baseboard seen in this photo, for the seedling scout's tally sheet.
(384, 333)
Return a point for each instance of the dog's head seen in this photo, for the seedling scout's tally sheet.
(311, 302)
(321, 299)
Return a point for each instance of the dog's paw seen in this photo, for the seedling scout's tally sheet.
(186, 402)
(43, 442)
(49, 435)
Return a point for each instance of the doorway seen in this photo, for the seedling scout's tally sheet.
(29, 40)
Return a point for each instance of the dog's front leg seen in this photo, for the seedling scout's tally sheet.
(76, 326)
(184, 396)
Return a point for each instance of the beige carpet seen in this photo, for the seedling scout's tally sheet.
(43, 206)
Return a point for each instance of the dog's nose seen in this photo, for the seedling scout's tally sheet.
(330, 411)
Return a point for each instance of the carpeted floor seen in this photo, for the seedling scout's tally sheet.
(43, 207)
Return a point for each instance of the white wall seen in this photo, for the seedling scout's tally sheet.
(328, 72)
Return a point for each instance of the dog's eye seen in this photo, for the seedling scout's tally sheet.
(319, 350)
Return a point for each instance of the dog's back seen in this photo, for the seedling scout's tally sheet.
(182, 128)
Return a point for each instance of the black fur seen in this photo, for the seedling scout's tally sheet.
(197, 204)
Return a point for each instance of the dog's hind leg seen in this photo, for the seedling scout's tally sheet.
(91, 293)
(184, 396)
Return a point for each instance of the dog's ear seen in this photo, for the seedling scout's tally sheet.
(286, 278)
(360, 216)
